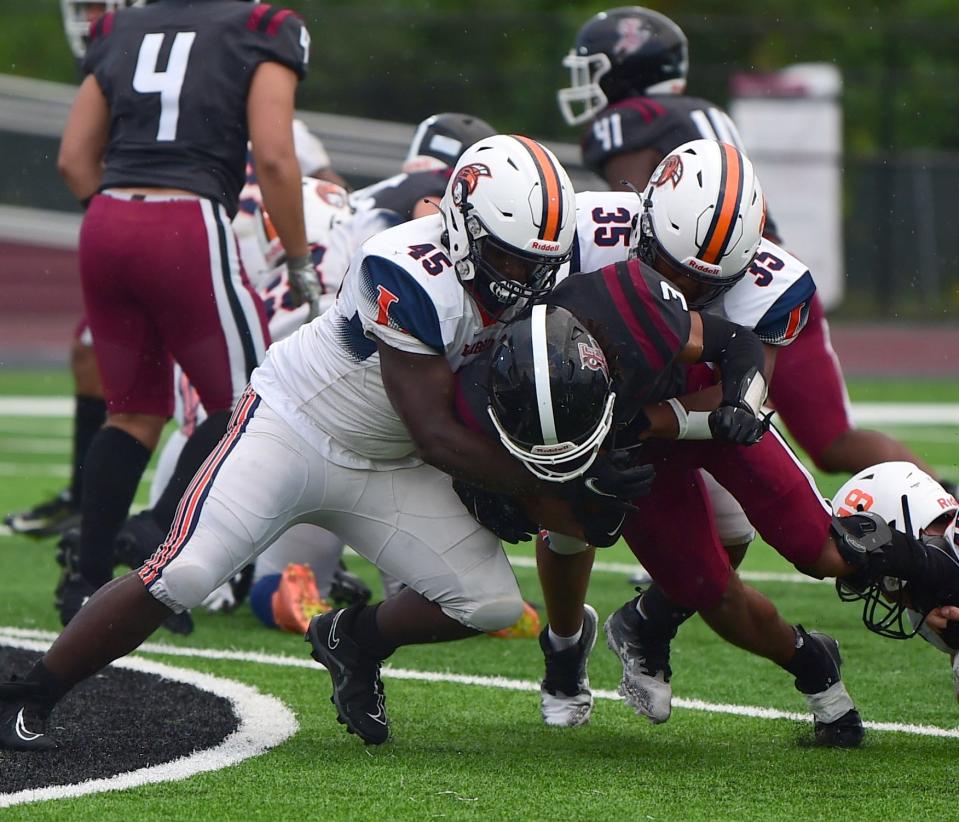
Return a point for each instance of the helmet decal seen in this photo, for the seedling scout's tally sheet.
(633, 34)
(470, 175)
(669, 170)
(592, 357)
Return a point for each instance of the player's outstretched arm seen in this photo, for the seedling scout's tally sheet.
(85, 140)
(270, 119)
(421, 388)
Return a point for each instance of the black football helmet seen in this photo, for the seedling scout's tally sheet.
(441, 139)
(550, 396)
(623, 52)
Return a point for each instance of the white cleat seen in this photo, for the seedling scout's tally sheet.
(645, 684)
(565, 698)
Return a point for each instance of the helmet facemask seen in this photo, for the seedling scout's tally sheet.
(480, 274)
(586, 72)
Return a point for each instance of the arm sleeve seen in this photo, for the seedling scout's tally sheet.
(737, 351)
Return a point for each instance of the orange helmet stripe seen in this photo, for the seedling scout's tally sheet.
(720, 230)
(552, 217)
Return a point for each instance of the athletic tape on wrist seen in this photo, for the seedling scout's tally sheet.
(693, 425)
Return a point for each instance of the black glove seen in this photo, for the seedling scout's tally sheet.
(498, 512)
(738, 424)
(304, 284)
(612, 480)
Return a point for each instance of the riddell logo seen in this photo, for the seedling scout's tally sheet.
(669, 170)
(540, 245)
(699, 265)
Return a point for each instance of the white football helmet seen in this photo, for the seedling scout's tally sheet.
(509, 213)
(704, 212)
(881, 490)
(79, 15)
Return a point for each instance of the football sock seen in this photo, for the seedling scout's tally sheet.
(811, 665)
(362, 625)
(49, 689)
(202, 442)
(662, 617)
(114, 465)
(561, 643)
(89, 414)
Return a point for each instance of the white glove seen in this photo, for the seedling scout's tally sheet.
(220, 600)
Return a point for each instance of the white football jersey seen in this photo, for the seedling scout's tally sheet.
(772, 298)
(325, 380)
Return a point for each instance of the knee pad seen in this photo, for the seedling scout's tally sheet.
(495, 614)
(187, 583)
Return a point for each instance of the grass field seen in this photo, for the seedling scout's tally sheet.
(468, 750)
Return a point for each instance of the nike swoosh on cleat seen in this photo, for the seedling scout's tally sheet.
(380, 715)
(332, 641)
(21, 729)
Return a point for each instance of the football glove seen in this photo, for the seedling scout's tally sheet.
(304, 284)
(613, 480)
(499, 513)
(738, 424)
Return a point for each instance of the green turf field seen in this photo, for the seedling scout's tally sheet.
(467, 751)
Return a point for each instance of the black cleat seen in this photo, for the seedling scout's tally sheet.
(137, 540)
(845, 732)
(836, 721)
(23, 719)
(181, 624)
(357, 688)
(348, 589)
(46, 519)
(72, 594)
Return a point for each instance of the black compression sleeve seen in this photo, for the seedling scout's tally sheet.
(736, 350)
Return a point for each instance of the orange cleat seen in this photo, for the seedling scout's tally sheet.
(526, 627)
(296, 600)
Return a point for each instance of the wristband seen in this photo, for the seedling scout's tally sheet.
(693, 425)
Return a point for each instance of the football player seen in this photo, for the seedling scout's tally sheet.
(349, 425)
(628, 69)
(156, 172)
(435, 148)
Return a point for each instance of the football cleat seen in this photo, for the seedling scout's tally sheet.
(565, 698)
(526, 627)
(23, 719)
(46, 519)
(297, 600)
(72, 594)
(646, 672)
(357, 688)
(137, 540)
(836, 721)
(347, 589)
(181, 623)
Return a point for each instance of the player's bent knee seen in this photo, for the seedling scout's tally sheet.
(187, 583)
(495, 614)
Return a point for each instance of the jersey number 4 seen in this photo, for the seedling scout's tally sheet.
(169, 83)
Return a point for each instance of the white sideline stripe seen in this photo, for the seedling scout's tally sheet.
(265, 722)
(631, 568)
(864, 413)
(499, 682)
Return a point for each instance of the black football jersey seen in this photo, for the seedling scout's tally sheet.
(661, 122)
(176, 75)
(640, 321)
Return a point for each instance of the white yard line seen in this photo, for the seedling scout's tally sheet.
(264, 723)
(502, 683)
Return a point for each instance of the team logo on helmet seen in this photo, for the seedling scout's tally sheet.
(470, 175)
(669, 170)
(592, 357)
(632, 36)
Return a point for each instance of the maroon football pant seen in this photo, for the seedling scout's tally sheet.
(807, 388)
(673, 534)
(162, 281)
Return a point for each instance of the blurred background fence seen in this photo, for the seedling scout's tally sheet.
(402, 60)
